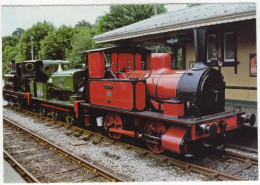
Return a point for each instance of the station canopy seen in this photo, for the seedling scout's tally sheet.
(172, 27)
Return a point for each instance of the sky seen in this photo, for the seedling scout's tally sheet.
(25, 16)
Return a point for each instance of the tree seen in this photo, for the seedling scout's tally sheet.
(122, 15)
(18, 32)
(57, 45)
(83, 24)
(191, 5)
(37, 32)
(9, 41)
(82, 41)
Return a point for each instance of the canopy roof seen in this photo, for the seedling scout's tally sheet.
(188, 18)
(118, 49)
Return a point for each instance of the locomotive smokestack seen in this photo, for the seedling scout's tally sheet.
(200, 40)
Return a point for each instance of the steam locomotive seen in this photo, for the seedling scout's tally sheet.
(126, 91)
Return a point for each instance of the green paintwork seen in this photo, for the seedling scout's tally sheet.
(53, 66)
(32, 88)
(66, 80)
(42, 90)
(74, 98)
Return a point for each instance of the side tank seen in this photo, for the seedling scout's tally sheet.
(70, 80)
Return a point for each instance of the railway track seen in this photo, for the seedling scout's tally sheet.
(212, 174)
(27, 176)
(242, 158)
(43, 161)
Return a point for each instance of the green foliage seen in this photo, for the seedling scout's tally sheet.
(6, 58)
(57, 45)
(9, 41)
(18, 32)
(191, 5)
(37, 32)
(122, 15)
(83, 24)
(82, 41)
(180, 60)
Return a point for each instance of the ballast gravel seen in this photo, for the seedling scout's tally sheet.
(126, 164)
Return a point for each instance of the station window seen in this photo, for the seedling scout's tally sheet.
(229, 46)
(211, 46)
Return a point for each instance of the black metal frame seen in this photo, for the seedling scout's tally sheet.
(229, 64)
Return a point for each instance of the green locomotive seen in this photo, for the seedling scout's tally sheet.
(47, 86)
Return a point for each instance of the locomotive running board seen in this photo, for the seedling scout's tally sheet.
(204, 117)
(160, 116)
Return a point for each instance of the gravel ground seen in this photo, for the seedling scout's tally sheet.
(46, 165)
(125, 163)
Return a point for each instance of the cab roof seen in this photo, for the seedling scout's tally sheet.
(118, 49)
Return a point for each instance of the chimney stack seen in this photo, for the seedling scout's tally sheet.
(200, 41)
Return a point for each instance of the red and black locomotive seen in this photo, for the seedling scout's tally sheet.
(130, 92)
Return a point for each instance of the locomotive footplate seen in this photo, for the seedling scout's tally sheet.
(161, 116)
(193, 129)
(13, 92)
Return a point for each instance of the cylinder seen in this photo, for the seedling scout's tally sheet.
(173, 140)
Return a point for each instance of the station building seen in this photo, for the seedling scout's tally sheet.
(231, 35)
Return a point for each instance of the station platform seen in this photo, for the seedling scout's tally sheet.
(10, 175)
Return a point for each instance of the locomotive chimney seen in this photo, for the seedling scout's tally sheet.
(59, 68)
(200, 40)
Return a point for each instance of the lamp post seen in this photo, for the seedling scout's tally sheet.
(31, 38)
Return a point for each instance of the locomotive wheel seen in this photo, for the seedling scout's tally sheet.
(113, 120)
(55, 115)
(155, 129)
(70, 119)
(43, 111)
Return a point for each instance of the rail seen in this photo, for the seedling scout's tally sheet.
(27, 176)
(57, 149)
(186, 165)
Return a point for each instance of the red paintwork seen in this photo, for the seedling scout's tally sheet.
(76, 107)
(121, 61)
(162, 84)
(155, 128)
(138, 62)
(114, 121)
(158, 106)
(27, 96)
(148, 63)
(124, 132)
(160, 61)
(162, 81)
(58, 108)
(96, 63)
(121, 96)
(176, 110)
(172, 138)
(231, 124)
